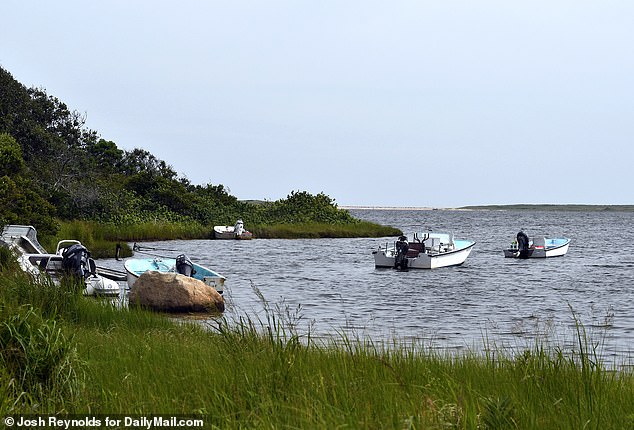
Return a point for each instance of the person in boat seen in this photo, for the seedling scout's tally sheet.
(400, 260)
(523, 244)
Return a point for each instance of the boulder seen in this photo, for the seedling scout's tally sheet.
(172, 292)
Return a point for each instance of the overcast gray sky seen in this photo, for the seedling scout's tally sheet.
(399, 103)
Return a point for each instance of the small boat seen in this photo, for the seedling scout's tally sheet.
(539, 247)
(135, 267)
(70, 257)
(429, 251)
(236, 231)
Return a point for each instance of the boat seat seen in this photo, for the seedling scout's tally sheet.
(418, 246)
(415, 248)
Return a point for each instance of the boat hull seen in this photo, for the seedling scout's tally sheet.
(228, 233)
(135, 267)
(427, 260)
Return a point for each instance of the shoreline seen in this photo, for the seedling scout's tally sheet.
(511, 207)
(399, 208)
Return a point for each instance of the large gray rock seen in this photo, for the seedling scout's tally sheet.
(172, 292)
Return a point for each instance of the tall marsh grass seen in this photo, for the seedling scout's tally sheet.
(262, 373)
(40, 370)
(319, 230)
(102, 239)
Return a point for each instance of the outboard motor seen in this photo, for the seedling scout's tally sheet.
(400, 260)
(184, 265)
(522, 245)
(75, 260)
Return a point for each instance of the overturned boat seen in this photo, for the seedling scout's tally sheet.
(135, 267)
(539, 247)
(70, 258)
(425, 251)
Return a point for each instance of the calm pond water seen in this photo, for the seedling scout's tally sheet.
(488, 300)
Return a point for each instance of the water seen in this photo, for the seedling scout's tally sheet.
(488, 300)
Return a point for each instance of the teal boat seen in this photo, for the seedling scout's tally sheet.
(135, 267)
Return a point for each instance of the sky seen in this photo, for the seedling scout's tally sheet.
(401, 103)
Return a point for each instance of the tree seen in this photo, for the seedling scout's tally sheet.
(19, 204)
(11, 161)
(106, 156)
(302, 206)
(141, 161)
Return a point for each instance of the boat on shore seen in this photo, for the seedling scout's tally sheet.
(426, 251)
(135, 267)
(538, 247)
(236, 231)
(70, 257)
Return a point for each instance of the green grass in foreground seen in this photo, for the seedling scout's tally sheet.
(85, 356)
(244, 379)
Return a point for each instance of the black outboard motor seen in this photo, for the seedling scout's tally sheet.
(184, 265)
(522, 245)
(75, 260)
(400, 260)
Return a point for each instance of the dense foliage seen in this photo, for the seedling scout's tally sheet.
(53, 167)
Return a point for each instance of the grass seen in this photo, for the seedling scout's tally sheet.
(252, 377)
(102, 239)
(263, 373)
(318, 230)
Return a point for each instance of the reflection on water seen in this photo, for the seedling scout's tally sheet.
(504, 302)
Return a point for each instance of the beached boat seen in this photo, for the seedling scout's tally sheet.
(135, 267)
(539, 247)
(425, 251)
(236, 231)
(70, 257)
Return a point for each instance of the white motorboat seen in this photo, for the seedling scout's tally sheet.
(539, 247)
(135, 267)
(427, 251)
(70, 257)
(236, 231)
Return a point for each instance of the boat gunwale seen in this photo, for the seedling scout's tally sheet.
(440, 254)
(213, 273)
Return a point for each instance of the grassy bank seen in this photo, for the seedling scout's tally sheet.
(102, 239)
(62, 352)
(320, 230)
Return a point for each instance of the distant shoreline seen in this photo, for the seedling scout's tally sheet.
(399, 208)
(538, 207)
